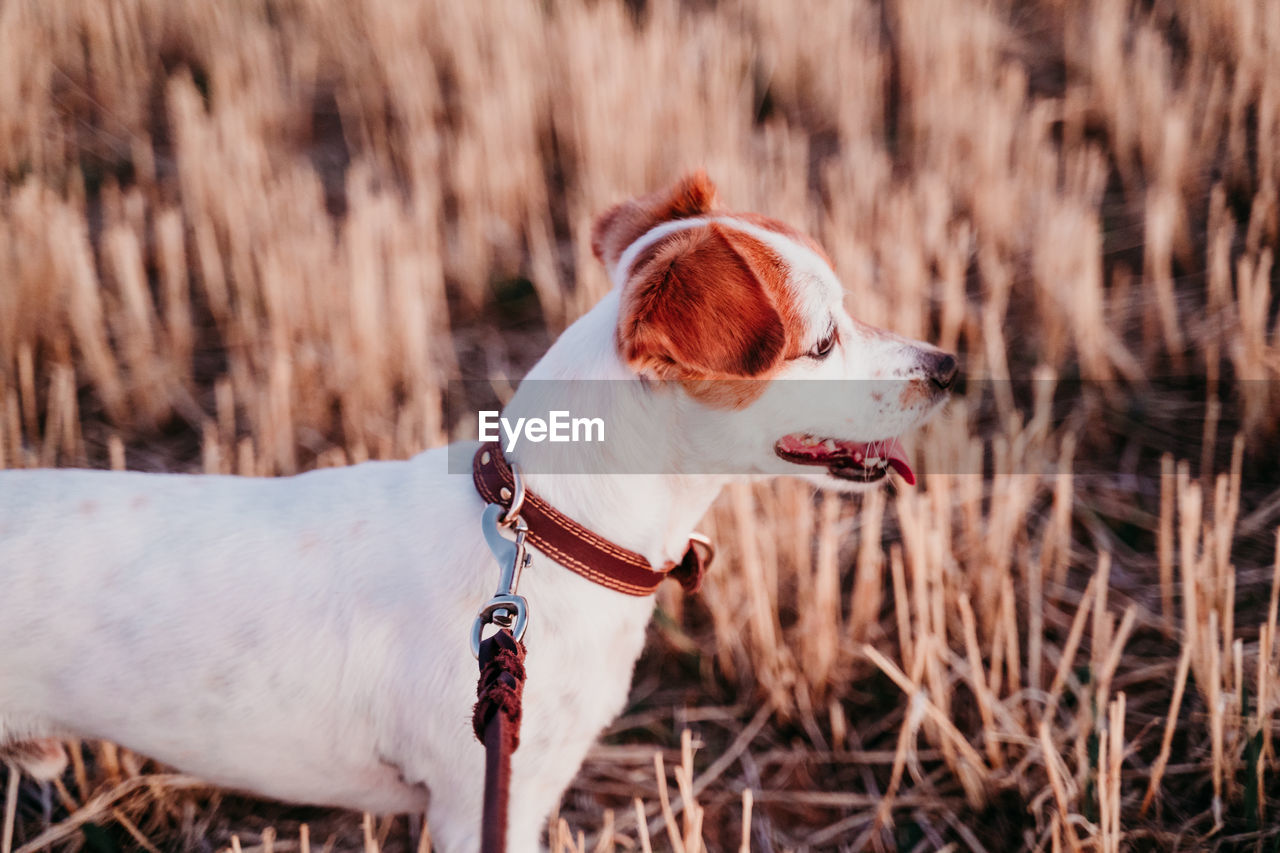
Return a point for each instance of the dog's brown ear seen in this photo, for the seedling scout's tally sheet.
(701, 309)
(692, 195)
(622, 224)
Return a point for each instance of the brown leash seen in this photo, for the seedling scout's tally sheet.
(533, 521)
(497, 725)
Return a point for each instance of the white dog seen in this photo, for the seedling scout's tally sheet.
(305, 638)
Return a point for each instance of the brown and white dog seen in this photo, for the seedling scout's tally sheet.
(304, 638)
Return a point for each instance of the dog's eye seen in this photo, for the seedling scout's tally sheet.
(823, 348)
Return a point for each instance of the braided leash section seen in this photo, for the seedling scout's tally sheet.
(497, 725)
(501, 686)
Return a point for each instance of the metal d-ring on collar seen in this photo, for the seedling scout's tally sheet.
(517, 499)
(703, 541)
(506, 609)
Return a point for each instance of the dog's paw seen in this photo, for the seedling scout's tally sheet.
(43, 760)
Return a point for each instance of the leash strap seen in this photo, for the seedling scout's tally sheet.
(496, 718)
(497, 725)
(579, 549)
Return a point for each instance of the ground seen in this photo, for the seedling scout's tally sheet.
(260, 237)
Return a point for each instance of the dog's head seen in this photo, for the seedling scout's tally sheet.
(730, 307)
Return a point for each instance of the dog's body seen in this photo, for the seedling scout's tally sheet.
(306, 638)
(302, 638)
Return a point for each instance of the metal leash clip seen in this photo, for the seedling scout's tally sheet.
(506, 609)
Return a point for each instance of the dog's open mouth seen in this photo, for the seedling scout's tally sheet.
(860, 462)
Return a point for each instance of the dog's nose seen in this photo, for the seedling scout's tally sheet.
(943, 369)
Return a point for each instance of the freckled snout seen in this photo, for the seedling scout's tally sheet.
(943, 369)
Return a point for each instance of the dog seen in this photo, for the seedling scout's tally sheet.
(304, 638)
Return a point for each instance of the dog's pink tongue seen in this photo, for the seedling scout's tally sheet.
(898, 460)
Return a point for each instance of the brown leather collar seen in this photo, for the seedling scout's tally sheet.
(577, 548)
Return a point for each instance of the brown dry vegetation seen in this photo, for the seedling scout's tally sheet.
(258, 237)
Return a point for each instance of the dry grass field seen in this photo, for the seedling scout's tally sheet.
(260, 236)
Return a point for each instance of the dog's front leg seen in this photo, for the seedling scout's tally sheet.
(455, 814)
(541, 769)
(456, 810)
(547, 761)
(533, 797)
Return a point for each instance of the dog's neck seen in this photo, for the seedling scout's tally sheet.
(614, 487)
